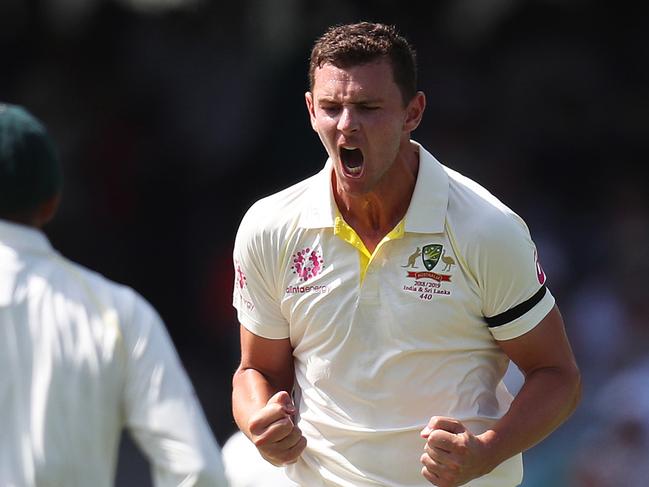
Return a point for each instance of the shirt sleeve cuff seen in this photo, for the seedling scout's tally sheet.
(526, 322)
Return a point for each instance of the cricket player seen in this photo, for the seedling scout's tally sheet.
(382, 299)
(81, 358)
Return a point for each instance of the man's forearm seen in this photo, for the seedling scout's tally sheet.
(250, 392)
(546, 400)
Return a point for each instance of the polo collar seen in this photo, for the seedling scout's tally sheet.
(429, 202)
(24, 238)
(320, 210)
(427, 210)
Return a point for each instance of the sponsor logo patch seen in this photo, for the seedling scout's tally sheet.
(240, 277)
(307, 263)
(241, 287)
(307, 289)
(540, 275)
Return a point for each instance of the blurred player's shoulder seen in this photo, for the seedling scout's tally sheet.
(76, 283)
(78, 274)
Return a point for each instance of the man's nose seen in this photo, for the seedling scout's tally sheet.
(348, 121)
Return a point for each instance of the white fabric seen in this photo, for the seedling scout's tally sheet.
(245, 467)
(81, 359)
(375, 360)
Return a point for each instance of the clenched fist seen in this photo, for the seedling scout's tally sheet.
(274, 432)
(452, 455)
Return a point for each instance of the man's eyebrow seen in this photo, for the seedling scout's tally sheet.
(366, 101)
(369, 101)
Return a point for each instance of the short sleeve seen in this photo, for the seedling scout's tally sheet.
(256, 293)
(510, 277)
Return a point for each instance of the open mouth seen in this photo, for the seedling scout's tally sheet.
(352, 160)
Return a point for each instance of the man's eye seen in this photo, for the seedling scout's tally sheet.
(329, 108)
(370, 107)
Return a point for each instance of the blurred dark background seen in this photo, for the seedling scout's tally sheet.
(173, 116)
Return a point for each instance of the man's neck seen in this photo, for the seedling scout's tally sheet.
(373, 215)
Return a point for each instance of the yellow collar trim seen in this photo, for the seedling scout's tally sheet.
(346, 233)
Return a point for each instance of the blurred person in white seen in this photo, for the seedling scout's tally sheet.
(81, 358)
(614, 451)
(245, 467)
(382, 299)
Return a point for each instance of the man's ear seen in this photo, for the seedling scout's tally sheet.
(415, 111)
(310, 106)
(46, 210)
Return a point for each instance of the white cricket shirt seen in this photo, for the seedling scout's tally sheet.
(377, 356)
(245, 467)
(81, 358)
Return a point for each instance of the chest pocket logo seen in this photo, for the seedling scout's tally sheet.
(426, 284)
(430, 255)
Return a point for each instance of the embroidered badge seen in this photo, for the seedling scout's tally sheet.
(307, 263)
(426, 284)
(430, 255)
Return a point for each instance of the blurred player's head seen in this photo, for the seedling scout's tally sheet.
(350, 45)
(30, 174)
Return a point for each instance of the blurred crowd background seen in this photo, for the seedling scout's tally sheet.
(173, 116)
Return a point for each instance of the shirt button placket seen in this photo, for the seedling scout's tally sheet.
(370, 287)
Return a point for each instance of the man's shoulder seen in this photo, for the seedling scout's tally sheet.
(281, 208)
(475, 211)
(287, 197)
(94, 282)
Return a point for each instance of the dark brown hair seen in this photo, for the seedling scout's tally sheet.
(354, 44)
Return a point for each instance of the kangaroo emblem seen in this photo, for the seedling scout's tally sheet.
(448, 261)
(413, 259)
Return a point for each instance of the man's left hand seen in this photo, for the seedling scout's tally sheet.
(453, 455)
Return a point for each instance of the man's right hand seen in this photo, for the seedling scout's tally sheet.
(274, 433)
